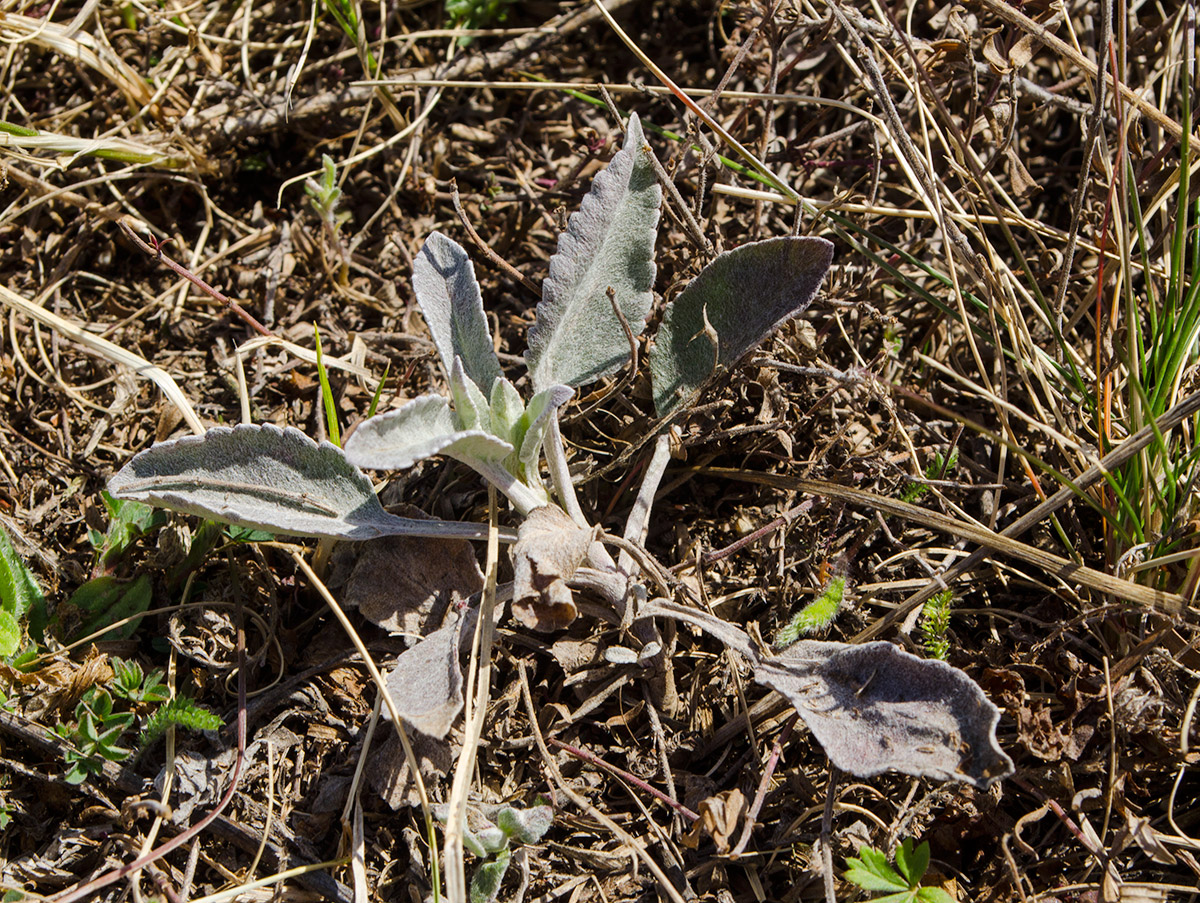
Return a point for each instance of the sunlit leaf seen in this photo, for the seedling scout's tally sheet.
(424, 427)
(875, 707)
(445, 286)
(729, 310)
(609, 242)
(268, 478)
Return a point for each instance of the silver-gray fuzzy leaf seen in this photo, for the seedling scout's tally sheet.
(609, 242)
(422, 428)
(263, 477)
(729, 310)
(875, 707)
(444, 282)
(426, 682)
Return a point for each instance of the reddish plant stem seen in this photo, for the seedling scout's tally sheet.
(761, 794)
(625, 776)
(155, 251)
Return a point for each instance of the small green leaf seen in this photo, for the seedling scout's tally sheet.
(485, 884)
(934, 895)
(507, 408)
(816, 615)
(19, 590)
(531, 428)
(912, 863)
(10, 634)
(422, 428)
(331, 421)
(247, 534)
(525, 825)
(180, 711)
(871, 871)
(471, 408)
(379, 390)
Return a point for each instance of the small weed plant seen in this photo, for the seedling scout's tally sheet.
(325, 197)
(22, 604)
(871, 871)
(106, 716)
(596, 301)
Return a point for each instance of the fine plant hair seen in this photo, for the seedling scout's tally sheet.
(873, 707)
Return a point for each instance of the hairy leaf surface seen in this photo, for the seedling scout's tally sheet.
(875, 707)
(426, 682)
(268, 478)
(729, 310)
(422, 428)
(535, 421)
(609, 242)
(444, 282)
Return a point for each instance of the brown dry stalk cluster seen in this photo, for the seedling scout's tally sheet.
(982, 407)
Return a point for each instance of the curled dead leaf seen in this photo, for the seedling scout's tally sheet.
(719, 817)
(548, 550)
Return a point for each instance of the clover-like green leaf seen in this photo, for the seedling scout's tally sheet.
(910, 862)
(446, 290)
(609, 243)
(729, 310)
(870, 871)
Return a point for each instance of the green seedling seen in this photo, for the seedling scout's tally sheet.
(494, 829)
(95, 736)
(345, 13)
(476, 14)
(596, 301)
(138, 688)
(21, 599)
(870, 871)
(816, 615)
(98, 730)
(938, 468)
(180, 712)
(127, 521)
(331, 421)
(935, 622)
(325, 197)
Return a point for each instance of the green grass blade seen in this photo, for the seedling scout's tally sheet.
(335, 434)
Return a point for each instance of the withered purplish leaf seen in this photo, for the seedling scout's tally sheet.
(426, 682)
(405, 584)
(549, 548)
(875, 707)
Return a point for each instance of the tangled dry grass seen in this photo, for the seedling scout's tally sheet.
(1003, 182)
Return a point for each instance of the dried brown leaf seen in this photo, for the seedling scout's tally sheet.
(549, 548)
(719, 818)
(403, 583)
